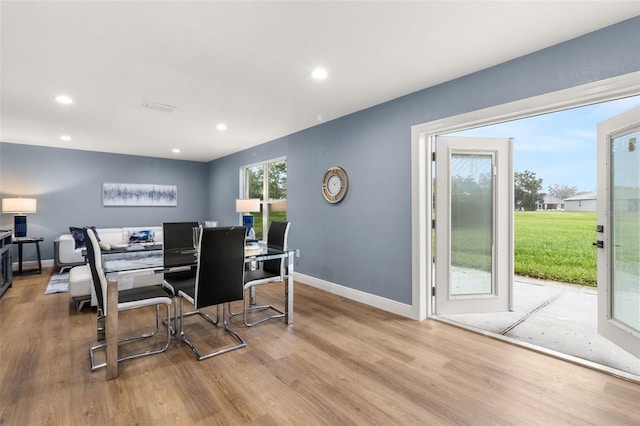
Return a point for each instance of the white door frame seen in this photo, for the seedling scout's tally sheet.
(421, 168)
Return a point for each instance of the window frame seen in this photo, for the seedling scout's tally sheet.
(266, 201)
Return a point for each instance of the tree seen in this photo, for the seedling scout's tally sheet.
(277, 185)
(278, 180)
(563, 191)
(255, 177)
(527, 189)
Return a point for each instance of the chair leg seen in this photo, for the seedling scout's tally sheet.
(103, 346)
(146, 335)
(240, 341)
(167, 321)
(255, 308)
(100, 331)
(176, 328)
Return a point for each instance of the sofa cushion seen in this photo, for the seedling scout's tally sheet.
(113, 236)
(157, 234)
(144, 236)
(78, 235)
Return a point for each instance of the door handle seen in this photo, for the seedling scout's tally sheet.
(599, 244)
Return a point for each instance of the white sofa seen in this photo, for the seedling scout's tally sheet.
(80, 282)
(68, 256)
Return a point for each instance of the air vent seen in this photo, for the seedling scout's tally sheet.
(158, 106)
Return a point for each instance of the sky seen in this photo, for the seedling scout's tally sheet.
(558, 147)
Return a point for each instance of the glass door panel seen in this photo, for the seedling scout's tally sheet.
(619, 230)
(471, 263)
(625, 196)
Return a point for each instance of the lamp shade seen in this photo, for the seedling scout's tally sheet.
(18, 205)
(248, 205)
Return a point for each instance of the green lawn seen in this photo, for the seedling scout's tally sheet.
(552, 245)
(257, 222)
(556, 245)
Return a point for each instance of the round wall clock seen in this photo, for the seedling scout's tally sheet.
(335, 184)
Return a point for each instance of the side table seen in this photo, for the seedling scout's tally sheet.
(20, 241)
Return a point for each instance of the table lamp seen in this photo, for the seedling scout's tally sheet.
(246, 207)
(19, 206)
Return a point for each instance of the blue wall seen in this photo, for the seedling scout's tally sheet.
(68, 186)
(364, 243)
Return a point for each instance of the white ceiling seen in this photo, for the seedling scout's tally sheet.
(247, 64)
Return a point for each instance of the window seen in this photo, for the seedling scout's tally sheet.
(268, 182)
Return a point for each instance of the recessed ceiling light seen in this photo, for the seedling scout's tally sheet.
(65, 138)
(319, 73)
(221, 126)
(64, 99)
(175, 151)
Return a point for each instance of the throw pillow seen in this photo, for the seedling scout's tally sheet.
(78, 235)
(145, 236)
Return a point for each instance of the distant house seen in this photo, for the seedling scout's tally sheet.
(550, 202)
(581, 203)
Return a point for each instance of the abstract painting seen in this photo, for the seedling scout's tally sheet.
(136, 194)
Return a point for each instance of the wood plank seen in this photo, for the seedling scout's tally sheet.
(341, 362)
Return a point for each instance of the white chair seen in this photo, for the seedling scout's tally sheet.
(127, 299)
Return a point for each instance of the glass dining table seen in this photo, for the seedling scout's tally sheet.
(123, 264)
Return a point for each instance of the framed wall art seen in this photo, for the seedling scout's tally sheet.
(138, 194)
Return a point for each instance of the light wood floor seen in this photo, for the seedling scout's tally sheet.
(340, 363)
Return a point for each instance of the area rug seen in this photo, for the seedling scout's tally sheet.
(59, 283)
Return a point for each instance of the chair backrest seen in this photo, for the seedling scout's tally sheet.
(277, 239)
(94, 255)
(220, 272)
(178, 235)
(177, 239)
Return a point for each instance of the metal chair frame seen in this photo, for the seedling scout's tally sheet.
(220, 267)
(277, 239)
(133, 298)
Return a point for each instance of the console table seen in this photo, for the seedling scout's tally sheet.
(5, 260)
(20, 241)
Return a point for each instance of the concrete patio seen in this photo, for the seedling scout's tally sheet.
(556, 316)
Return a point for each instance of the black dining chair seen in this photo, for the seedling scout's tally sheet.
(217, 282)
(271, 271)
(178, 250)
(139, 297)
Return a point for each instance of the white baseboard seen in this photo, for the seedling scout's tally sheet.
(32, 264)
(383, 303)
(359, 296)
